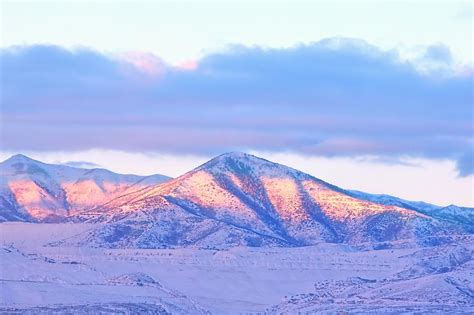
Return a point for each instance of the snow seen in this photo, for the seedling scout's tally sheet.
(31, 190)
(242, 199)
(238, 234)
(233, 281)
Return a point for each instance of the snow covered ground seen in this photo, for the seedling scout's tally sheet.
(41, 277)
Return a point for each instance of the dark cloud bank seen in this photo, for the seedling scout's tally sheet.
(336, 97)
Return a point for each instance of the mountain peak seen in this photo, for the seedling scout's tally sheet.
(229, 159)
(19, 158)
(247, 164)
(237, 155)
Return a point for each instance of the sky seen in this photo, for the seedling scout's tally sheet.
(374, 96)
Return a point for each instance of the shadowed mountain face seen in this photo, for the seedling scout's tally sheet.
(238, 199)
(35, 191)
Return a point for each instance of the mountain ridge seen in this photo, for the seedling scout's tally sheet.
(238, 199)
(261, 199)
(31, 190)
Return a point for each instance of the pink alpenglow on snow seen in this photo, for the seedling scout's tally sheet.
(317, 104)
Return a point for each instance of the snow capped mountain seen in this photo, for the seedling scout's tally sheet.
(239, 199)
(174, 247)
(31, 190)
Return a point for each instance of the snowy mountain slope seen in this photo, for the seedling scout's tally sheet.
(459, 215)
(394, 201)
(456, 214)
(31, 190)
(239, 199)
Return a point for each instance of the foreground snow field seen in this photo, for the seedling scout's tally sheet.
(38, 276)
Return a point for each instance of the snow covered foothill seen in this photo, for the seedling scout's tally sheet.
(326, 277)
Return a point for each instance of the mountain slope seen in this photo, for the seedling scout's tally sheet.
(239, 199)
(452, 213)
(31, 190)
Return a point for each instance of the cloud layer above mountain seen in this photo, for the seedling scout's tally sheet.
(336, 97)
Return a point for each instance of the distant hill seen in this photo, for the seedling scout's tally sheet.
(34, 191)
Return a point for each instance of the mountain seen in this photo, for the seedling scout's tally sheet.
(238, 199)
(455, 214)
(34, 191)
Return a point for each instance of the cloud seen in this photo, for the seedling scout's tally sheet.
(145, 62)
(465, 12)
(335, 97)
(436, 60)
(438, 53)
(465, 164)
